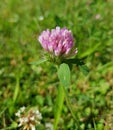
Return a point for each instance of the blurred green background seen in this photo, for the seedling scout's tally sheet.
(23, 84)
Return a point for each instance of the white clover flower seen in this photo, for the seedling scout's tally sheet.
(28, 119)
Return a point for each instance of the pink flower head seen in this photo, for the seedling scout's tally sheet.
(58, 41)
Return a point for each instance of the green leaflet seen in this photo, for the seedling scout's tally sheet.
(64, 75)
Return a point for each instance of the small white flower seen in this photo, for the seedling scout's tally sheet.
(32, 127)
(22, 109)
(32, 118)
(18, 113)
(20, 124)
(38, 114)
(22, 121)
(25, 119)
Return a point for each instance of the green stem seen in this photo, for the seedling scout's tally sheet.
(59, 106)
(70, 107)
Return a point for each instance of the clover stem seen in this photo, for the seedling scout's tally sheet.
(70, 107)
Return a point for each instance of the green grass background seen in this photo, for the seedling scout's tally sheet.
(22, 84)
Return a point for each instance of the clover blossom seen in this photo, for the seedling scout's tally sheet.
(28, 120)
(59, 42)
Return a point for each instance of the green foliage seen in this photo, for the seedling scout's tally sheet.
(24, 84)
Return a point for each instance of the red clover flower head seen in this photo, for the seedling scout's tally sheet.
(59, 42)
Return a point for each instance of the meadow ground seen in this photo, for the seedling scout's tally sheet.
(23, 84)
